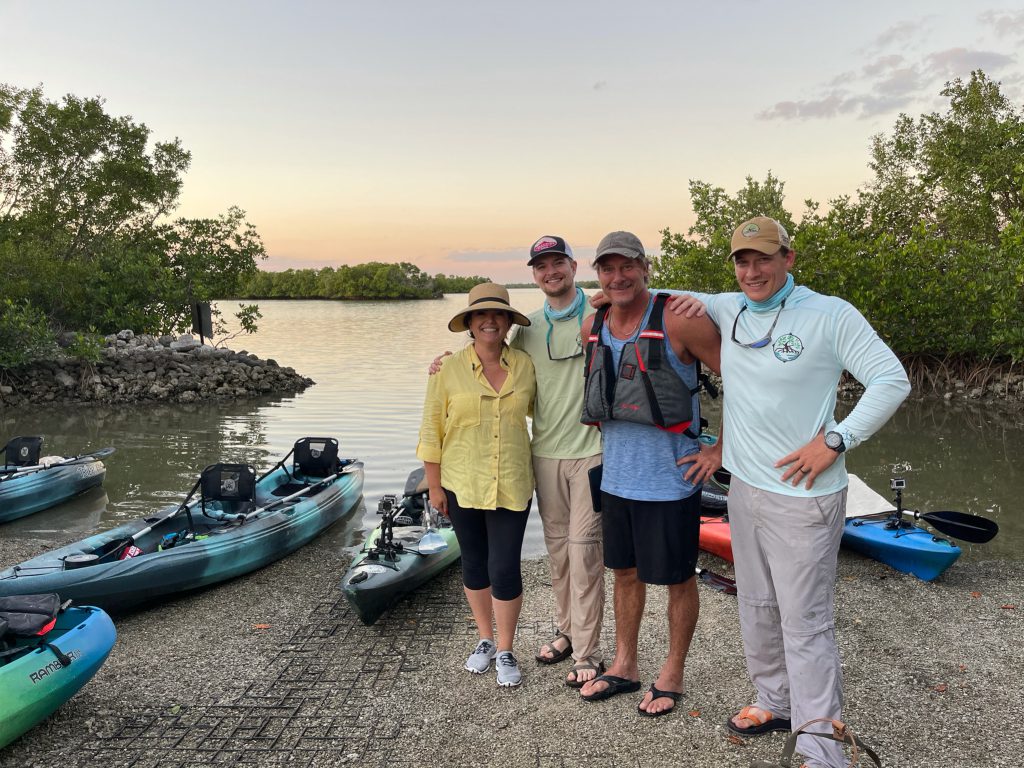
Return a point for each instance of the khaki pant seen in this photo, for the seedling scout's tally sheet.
(572, 534)
(785, 549)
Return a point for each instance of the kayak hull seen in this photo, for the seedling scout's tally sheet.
(34, 685)
(373, 586)
(31, 492)
(227, 549)
(715, 536)
(906, 547)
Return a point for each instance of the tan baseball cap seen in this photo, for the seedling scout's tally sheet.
(759, 234)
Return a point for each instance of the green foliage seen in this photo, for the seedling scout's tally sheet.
(374, 280)
(84, 346)
(24, 334)
(84, 233)
(931, 251)
(457, 283)
(697, 259)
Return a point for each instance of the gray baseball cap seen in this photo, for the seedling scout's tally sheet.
(622, 244)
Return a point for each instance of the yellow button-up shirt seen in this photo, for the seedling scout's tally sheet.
(477, 435)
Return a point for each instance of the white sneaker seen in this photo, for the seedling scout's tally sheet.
(479, 660)
(509, 675)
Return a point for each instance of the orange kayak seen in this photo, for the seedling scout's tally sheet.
(715, 536)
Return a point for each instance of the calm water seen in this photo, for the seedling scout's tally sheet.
(369, 360)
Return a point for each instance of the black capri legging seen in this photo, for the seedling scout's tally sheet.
(491, 541)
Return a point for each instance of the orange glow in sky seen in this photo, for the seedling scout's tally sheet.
(452, 134)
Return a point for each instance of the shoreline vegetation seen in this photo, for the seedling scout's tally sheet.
(930, 249)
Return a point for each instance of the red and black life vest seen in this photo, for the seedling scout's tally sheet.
(646, 389)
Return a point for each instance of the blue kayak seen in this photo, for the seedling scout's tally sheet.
(874, 528)
(25, 492)
(197, 543)
(35, 678)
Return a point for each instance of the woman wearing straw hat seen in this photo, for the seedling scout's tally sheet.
(475, 449)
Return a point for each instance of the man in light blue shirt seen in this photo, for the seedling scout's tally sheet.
(784, 348)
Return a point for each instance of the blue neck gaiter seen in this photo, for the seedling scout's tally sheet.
(774, 301)
(571, 311)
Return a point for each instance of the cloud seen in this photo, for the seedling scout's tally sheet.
(830, 105)
(835, 104)
(1005, 23)
(601, 85)
(891, 82)
(958, 62)
(502, 256)
(900, 33)
(882, 64)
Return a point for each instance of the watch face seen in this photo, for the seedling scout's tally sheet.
(833, 440)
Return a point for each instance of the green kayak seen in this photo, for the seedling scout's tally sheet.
(401, 554)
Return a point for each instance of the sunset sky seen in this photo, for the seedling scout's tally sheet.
(452, 134)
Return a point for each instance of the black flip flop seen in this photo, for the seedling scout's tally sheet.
(657, 693)
(616, 685)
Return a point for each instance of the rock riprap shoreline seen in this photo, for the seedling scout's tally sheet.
(134, 368)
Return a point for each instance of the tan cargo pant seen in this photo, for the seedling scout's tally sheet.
(572, 535)
(785, 549)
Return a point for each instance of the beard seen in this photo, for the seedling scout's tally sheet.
(556, 291)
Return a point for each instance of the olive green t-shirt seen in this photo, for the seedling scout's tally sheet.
(557, 431)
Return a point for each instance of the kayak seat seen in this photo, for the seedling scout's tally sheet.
(416, 484)
(28, 615)
(287, 489)
(232, 485)
(316, 457)
(23, 451)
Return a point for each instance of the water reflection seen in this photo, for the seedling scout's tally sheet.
(369, 360)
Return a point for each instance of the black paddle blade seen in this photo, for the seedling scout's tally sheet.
(716, 581)
(960, 525)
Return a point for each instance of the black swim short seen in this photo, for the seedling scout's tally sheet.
(658, 538)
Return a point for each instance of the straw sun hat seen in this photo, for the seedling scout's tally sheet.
(486, 296)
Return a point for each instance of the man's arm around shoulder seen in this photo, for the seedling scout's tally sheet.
(695, 336)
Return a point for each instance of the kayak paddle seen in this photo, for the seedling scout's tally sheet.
(129, 541)
(307, 489)
(94, 456)
(716, 581)
(960, 525)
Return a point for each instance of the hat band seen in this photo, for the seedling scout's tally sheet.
(490, 298)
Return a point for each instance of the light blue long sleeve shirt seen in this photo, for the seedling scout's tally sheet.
(778, 397)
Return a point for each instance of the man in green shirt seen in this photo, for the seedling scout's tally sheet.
(564, 450)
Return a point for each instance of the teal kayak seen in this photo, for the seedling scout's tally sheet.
(404, 552)
(198, 543)
(28, 489)
(38, 674)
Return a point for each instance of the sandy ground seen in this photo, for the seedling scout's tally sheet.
(274, 668)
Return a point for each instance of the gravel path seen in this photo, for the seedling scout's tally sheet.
(275, 669)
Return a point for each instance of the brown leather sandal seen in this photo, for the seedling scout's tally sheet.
(559, 655)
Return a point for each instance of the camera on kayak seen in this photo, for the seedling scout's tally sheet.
(897, 484)
(387, 503)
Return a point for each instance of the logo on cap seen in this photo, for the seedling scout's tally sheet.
(544, 243)
(750, 230)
